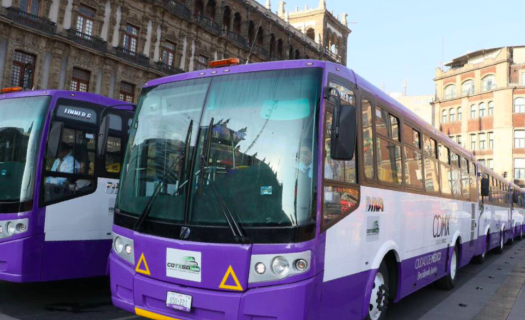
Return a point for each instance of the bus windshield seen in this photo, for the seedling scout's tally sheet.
(20, 130)
(241, 145)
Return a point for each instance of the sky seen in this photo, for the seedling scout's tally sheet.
(394, 40)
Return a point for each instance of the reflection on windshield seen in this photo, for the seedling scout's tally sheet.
(20, 123)
(259, 162)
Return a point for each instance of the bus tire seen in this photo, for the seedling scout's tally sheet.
(379, 297)
(499, 249)
(521, 232)
(510, 241)
(479, 259)
(449, 281)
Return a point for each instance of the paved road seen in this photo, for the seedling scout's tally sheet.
(490, 291)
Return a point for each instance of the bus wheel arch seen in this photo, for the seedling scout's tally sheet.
(383, 287)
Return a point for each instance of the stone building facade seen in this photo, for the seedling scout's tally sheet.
(480, 103)
(112, 47)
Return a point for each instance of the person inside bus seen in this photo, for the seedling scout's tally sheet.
(65, 163)
(305, 160)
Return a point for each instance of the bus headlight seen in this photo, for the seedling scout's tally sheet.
(10, 226)
(119, 245)
(280, 266)
(124, 248)
(20, 227)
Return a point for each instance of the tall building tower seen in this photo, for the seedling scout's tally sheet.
(480, 102)
(329, 31)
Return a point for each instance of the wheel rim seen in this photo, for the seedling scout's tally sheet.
(453, 265)
(378, 298)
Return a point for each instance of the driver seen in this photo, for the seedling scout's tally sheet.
(65, 163)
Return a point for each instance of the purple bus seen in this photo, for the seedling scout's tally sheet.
(292, 190)
(57, 189)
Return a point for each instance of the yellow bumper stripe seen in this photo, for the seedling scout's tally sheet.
(151, 315)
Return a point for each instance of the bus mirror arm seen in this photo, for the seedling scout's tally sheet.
(103, 137)
(54, 139)
(344, 123)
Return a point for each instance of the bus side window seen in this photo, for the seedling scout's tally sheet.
(431, 165)
(368, 140)
(413, 157)
(113, 156)
(389, 168)
(341, 194)
(71, 173)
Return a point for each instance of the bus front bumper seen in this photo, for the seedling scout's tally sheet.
(146, 297)
(20, 259)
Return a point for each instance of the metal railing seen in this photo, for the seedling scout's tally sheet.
(133, 57)
(332, 55)
(32, 21)
(208, 24)
(174, 7)
(236, 38)
(87, 40)
(260, 51)
(168, 70)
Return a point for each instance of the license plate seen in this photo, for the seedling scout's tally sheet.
(178, 301)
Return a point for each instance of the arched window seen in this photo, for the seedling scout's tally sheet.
(473, 111)
(519, 105)
(482, 110)
(227, 18)
(30, 6)
(251, 33)
(310, 33)
(297, 54)
(210, 9)
(450, 91)
(199, 8)
(280, 49)
(443, 116)
(489, 83)
(237, 23)
(260, 37)
(468, 88)
(290, 53)
(491, 109)
(460, 114)
(452, 115)
(272, 46)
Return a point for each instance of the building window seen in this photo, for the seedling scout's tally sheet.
(489, 83)
(473, 111)
(482, 162)
(452, 115)
(202, 62)
(450, 91)
(460, 114)
(491, 164)
(127, 92)
(472, 142)
(458, 140)
(168, 55)
(491, 109)
(482, 141)
(80, 80)
(19, 71)
(468, 88)
(85, 20)
(519, 168)
(30, 6)
(491, 140)
(482, 110)
(519, 105)
(131, 38)
(444, 116)
(519, 139)
(523, 78)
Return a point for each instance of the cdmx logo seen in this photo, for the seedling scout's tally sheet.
(374, 204)
(187, 264)
(441, 226)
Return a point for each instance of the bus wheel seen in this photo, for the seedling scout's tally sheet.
(481, 258)
(510, 241)
(521, 232)
(448, 281)
(499, 249)
(380, 294)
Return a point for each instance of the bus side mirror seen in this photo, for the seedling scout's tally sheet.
(344, 122)
(54, 139)
(485, 188)
(103, 133)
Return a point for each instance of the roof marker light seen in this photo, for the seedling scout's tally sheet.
(225, 63)
(11, 89)
(310, 64)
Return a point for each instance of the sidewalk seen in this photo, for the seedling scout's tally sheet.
(496, 293)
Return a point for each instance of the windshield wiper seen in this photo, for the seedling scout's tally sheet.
(230, 218)
(151, 200)
(205, 155)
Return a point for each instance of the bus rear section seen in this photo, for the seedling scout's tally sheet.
(56, 193)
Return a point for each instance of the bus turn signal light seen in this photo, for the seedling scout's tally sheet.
(12, 89)
(225, 63)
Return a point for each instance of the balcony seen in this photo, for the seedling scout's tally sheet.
(208, 24)
(260, 51)
(87, 40)
(133, 57)
(20, 17)
(168, 70)
(237, 39)
(332, 55)
(174, 7)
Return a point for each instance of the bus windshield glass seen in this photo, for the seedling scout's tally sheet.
(240, 145)
(20, 131)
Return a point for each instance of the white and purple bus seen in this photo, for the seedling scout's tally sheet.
(291, 190)
(57, 192)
